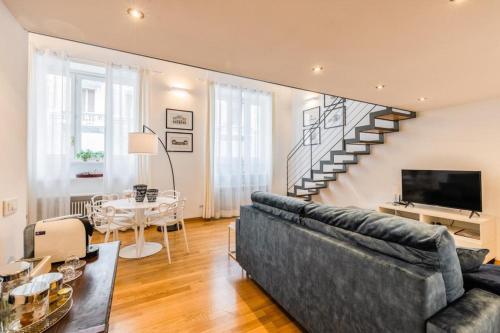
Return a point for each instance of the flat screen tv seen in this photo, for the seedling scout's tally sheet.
(453, 189)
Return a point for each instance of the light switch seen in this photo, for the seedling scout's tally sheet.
(9, 206)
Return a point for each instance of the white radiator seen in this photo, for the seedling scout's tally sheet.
(78, 204)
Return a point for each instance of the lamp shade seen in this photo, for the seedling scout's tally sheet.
(142, 143)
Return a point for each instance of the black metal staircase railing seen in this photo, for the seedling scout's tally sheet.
(318, 158)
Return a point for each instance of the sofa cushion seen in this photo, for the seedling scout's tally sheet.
(278, 201)
(478, 311)
(418, 238)
(487, 277)
(471, 259)
(284, 214)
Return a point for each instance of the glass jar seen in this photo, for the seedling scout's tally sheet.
(12, 275)
(55, 281)
(30, 302)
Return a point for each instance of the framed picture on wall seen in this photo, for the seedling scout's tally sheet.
(179, 142)
(311, 136)
(180, 119)
(310, 116)
(328, 100)
(335, 118)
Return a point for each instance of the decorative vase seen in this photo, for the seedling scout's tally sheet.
(140, 192)
(152, 194)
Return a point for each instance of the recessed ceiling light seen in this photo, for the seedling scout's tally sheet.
(379, 86)
(422, 99)
(317, 69)
(135, 13)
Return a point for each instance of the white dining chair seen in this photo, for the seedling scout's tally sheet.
(170, 214)
(154, 212)
(115, 223)
(170, 194)
(95, 215)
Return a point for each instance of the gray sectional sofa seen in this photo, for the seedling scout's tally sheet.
(353, 270)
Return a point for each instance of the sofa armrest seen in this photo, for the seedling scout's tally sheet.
(478, 311)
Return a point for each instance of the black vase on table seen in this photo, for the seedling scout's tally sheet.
(140, 192)
(152, 194)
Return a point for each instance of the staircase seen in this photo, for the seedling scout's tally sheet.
(345, 130)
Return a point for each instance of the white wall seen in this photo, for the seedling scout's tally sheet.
(189, 167)
(465, 137)
(13, 106)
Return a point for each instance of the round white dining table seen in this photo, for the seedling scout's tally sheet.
(142, 248)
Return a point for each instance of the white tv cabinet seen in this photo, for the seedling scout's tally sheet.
(455, 221)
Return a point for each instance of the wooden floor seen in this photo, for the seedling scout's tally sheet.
(203, 291)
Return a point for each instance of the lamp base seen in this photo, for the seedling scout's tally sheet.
(170, 228)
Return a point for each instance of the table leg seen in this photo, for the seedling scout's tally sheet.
(139, 219)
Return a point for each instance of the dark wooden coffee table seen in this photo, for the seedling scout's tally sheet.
(92, 294)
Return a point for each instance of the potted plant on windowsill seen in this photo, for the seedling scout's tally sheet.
(89, 155)
(86, 156)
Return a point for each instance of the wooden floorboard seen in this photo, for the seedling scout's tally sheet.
(203, 291)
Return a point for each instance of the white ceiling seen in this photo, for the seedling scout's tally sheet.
(446, 51)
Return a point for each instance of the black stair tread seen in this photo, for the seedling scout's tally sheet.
(364, 142)
(324, 180)
(350, 162)
(394, 117)
(334, 171)
(379, 130)
(393, 114)
(298, 187)
(312, 188)
(306, 197)
(317, 183)
(360, 152)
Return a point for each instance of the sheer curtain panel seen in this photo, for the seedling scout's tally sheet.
(241, 142)
(49, 136)
(122, 117)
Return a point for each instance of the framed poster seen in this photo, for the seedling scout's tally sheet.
(310, 116)
(179, 119)
(311, 136)
(336, 118)
(179, 142)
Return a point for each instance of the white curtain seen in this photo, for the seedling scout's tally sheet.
(49, 136)
(143, 161)
(241, 148)
(122, 117)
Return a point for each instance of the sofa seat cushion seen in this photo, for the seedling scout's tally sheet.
(431, 242)
(478, 311)
(487, 277)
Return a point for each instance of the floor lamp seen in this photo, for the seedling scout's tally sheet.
(142, 143)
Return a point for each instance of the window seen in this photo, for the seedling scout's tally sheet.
(242, 142)
(89, 113)
(75, 107)
(89, 96)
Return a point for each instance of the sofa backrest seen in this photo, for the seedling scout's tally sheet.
(408, 240)
(331, 285)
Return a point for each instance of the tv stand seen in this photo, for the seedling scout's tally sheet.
(468, 230)
(404, 203)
